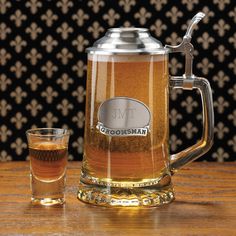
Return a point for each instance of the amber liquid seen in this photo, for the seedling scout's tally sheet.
(48, 161)
(133, 158)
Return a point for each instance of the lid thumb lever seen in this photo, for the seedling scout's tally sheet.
(186, 47)
(195, 20)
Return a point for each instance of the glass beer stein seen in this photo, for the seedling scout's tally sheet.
(126, 150)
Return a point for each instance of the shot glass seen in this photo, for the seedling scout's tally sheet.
(48, 151)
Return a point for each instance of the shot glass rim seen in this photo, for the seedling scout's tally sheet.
(65, 132)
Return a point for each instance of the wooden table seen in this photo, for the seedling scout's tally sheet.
(205, 205)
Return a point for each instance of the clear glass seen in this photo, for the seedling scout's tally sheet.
(134, 170)
(48, 151)
(123, 167)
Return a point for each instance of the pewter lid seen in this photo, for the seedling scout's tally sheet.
(127, 41)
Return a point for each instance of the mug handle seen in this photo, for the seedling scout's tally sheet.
(190, 154)
(188, 82)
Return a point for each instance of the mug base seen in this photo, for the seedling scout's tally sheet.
(125, 197)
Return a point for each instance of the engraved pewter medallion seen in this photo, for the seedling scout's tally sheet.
(123, 116)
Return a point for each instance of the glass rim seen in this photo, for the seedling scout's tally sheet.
(64, 132)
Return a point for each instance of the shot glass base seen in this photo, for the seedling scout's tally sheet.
(47, 201)
(48, 193)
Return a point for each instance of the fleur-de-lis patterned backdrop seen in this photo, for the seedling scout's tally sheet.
(43, 66)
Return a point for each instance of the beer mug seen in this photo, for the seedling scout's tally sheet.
(126, 145)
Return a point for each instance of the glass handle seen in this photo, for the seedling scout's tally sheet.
(190, 154)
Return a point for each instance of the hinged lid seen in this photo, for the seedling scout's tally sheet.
(127, 41)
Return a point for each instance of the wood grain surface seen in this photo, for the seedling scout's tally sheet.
(205, 205)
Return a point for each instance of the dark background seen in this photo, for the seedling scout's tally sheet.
(43, 66)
